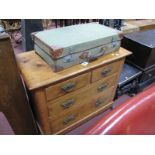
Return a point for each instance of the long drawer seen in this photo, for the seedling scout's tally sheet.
(105, 71)
(67, 86)
(85, 108)
(72, 101)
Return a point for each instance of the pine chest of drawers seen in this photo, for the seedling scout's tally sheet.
(65, 99)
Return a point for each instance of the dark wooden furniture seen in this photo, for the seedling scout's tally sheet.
(13, 100)
(142, 45)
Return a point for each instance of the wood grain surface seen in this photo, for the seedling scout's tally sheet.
(76, 123)
(37, 73)
(13, 100)
(56, 110)
(78, 82)
(105, 71)
(144, 24)
(94, 89)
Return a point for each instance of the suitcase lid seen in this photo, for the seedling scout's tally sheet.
(146, 38)
(75, 38)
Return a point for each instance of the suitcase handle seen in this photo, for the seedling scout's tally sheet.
(68, 87)
(68, 119)
(102, 52)
(68, 103)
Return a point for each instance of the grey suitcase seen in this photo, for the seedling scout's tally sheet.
(64, 47)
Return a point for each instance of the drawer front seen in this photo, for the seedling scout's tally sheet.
(105, 71)
(101, 100)
(71, 102)
(67, 86)
(86, 108)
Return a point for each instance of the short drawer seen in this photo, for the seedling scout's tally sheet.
(67, 86)
(72, 101)
(105, 71)
(87, 107)
(100, 100)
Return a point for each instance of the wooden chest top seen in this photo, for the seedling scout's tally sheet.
(144, 24)
(37, 73)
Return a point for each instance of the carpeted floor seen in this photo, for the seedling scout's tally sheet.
(5, 128)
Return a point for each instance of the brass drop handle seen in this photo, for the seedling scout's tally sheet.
(102, 87)
(98, 103)
(68, 87)
(105, 72)
(68, 119)
(68, 103)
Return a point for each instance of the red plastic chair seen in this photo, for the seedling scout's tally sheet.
(135, 116)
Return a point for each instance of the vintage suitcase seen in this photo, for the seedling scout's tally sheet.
(64, 47)
(142, 45)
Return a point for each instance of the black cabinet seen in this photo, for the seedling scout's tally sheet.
(142, 45)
